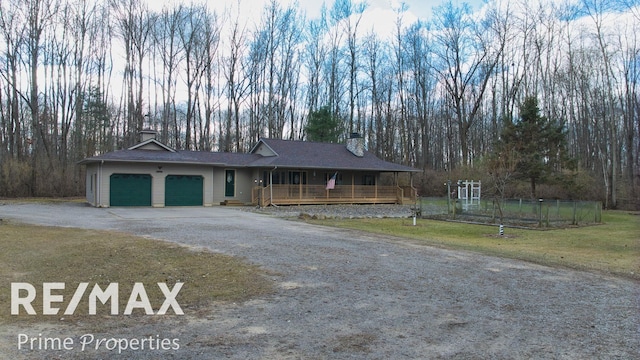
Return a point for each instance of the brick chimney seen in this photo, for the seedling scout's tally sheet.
(355, 144)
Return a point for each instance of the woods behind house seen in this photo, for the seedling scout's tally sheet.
(443, 94)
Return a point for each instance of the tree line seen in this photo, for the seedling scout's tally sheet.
(79, 78)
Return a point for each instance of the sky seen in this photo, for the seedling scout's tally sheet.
(419, 8)
(379, 13)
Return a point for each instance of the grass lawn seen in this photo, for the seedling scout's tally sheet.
(38, 254)
(612, 247)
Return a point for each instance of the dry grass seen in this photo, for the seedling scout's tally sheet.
(43, 200)
(37, 254)
(612, 247)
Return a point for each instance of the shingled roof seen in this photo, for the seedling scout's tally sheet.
(315, 155)
(178, 156)
(286, 154)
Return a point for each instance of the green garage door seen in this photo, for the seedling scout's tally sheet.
(183, 190)
(130, 190)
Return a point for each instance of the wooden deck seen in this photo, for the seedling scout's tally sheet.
(317, 194)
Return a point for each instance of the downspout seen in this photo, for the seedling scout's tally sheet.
(271, 187)
(99, 185)
(213, 185)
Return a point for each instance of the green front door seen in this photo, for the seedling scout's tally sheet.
(230, 183)
(130, 190)
(183, 190)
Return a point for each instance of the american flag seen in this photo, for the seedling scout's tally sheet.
(331, 184)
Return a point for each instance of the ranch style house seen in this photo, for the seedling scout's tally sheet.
(274, 172)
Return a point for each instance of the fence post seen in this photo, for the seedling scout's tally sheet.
(547, 215)
(455, 205)
(448, 196)
(493, 215)
(575, 211)
(540, 213)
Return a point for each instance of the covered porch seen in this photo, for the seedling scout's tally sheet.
(301, 194)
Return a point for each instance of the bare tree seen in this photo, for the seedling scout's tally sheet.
(349, 14)
(400, 77)
(274, 60)
(13, 27)
(314, 58)
(372, 53)
(334, 60)
(610, 152)
(40, 14)
(211, 38)
(166, 40)
(195, 48)
(134, 27)
(467, 58)
(501, 166)
(423, 84)
(82, 25)
(235, 86)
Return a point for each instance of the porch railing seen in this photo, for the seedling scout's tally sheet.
(318, 194)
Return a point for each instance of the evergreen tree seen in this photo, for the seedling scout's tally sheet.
(540, 144)
(91, 132)
(323, 126)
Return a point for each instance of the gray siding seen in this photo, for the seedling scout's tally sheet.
(244, 183)
(98, 194)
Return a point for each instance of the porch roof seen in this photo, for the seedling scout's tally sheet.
(315, 155)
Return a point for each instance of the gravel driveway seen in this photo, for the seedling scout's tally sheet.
(344, 294)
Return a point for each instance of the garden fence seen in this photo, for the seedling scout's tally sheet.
(521, 212)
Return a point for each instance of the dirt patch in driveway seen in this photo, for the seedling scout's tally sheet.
(363, 296)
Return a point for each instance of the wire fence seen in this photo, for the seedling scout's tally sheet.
(539, 213)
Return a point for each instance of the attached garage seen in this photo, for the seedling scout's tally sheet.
(130, 190)
(183, 190)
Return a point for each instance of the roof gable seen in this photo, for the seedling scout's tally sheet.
(262, 148)
(151, 144)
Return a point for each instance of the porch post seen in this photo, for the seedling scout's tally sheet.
(327, 177)
(353, 180)
(398, 193)
(375, 185)
(271, 186)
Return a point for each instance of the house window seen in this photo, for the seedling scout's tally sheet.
(368, 179)
(297, 177)
(278, 177)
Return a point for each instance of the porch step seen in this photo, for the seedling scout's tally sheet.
(232, 203)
